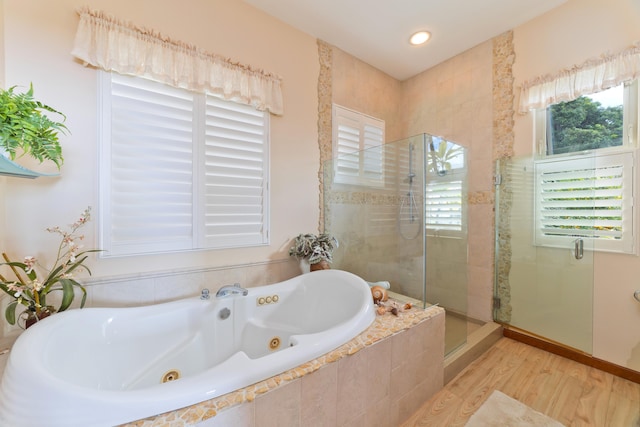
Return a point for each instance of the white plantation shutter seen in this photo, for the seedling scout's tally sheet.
(588, 198)
(444, 203)
(357, 147)
(373, 159)
(236, 161)
(179, 170)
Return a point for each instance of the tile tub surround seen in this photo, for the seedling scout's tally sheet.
(380, 378)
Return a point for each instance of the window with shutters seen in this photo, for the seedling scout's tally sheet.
(357, 148)
(445, 189)
(585, 174)
(588, 198)
(179, 170)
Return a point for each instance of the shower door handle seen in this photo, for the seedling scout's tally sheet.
(578, 248)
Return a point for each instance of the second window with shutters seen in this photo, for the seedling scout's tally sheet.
(586, 198)
(357, 148)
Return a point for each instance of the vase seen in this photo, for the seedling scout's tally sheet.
(32, 318)
(322, 265)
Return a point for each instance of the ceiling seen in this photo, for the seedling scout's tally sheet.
(377, 31)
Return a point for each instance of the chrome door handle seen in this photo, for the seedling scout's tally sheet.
(636, 295)
(578, 248)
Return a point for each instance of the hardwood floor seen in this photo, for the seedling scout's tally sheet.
(570, 392)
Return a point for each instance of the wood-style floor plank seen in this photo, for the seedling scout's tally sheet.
(574, 394)
(592, 406)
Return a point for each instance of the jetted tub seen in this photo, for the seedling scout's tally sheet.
(108, 366)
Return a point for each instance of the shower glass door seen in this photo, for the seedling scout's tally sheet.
(545, 222)
(399, 213)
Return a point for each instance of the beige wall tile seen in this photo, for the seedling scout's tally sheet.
(280, 407)
(319, 395)
(378, 372)
(380, 414)
(352, 386)
(183, 286)
(431, 337)
(480, 291)
(399, 345)
(357, 421)
(237, 416)
(481, 235)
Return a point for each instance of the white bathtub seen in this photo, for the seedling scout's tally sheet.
(104, 366)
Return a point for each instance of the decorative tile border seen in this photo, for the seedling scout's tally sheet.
(325, 100)
(481, 198)
(503, 122)
(503, 111)
(383, 327)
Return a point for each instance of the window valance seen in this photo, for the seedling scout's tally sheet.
(592, 76)
(114, 45)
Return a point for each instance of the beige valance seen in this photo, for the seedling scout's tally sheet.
(592, 76)
(114, 45)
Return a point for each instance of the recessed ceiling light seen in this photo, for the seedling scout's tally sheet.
(420, 37)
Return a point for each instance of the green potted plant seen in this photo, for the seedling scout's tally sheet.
(29, 289)
(25, 128)
(317, 250)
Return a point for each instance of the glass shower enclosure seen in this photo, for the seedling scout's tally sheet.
(398, 211)
(547, 213)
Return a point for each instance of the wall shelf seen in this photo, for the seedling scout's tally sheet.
(10, 168)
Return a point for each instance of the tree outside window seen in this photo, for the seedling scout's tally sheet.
(585, 123)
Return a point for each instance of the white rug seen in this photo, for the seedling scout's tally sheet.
(500, 410)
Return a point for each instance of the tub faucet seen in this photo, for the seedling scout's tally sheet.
(234, 289)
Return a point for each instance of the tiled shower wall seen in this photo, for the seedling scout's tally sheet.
(468, 100)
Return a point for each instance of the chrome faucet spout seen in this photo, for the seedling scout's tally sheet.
(234, 289)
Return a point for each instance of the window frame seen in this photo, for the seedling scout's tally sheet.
(629, 127)
(199, 240)
(627, 244)
(626, 162)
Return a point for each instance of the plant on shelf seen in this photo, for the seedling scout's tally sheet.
(315, 249)
(31, 290)
(25, 127)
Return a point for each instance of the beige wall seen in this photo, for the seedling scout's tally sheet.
(363, 88)
(38, 39)
(569, 35)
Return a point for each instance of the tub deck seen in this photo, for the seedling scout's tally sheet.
(384, 326)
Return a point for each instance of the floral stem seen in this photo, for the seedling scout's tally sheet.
(6, 258)
(36, 298)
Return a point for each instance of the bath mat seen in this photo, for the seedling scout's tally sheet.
(500, 410)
